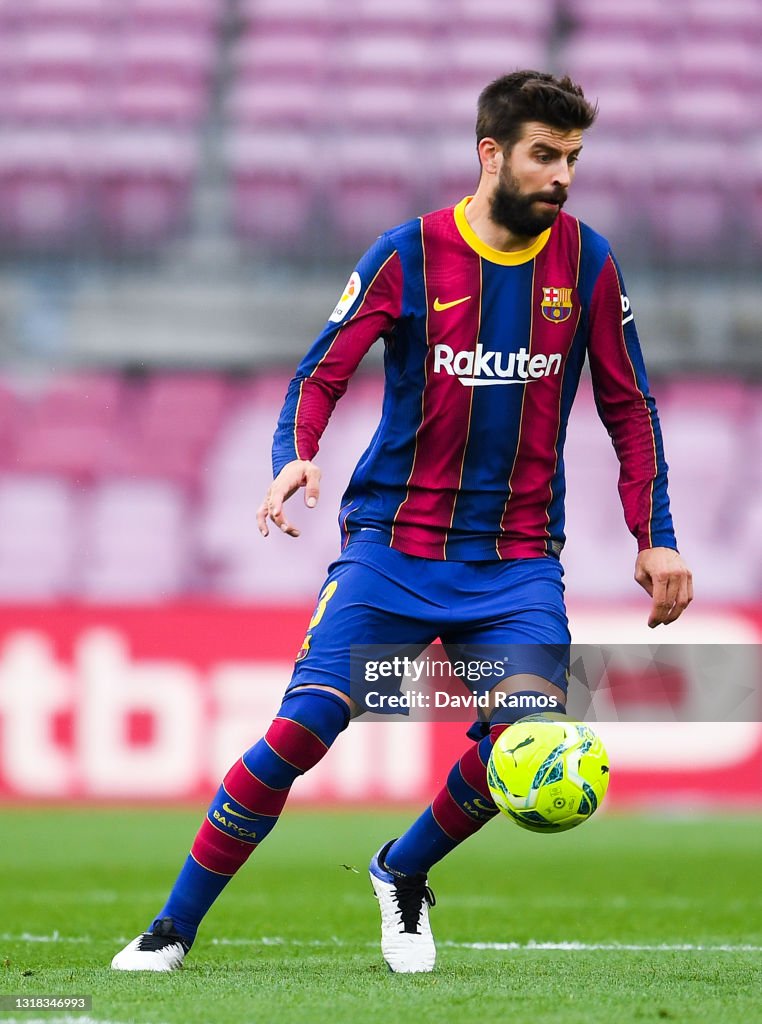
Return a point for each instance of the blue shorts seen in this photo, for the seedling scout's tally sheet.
(375, 595)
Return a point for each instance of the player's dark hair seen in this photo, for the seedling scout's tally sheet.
(506, 104)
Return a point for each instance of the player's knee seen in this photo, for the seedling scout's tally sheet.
(301, 733)
(307, 723)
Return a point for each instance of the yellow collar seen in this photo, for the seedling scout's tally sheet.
(506, 259)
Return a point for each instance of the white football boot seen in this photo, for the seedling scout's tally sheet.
(406, 940)
(161, 949)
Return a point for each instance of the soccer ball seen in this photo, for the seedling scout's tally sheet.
(547, 773)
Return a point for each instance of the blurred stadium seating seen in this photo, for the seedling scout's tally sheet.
(104, 105)
(662, 74)
(99, 119)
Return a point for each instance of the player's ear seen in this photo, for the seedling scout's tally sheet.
(489, 152)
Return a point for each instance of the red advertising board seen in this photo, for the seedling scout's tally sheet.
(155, 703)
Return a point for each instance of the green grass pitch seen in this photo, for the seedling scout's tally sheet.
(294, 939)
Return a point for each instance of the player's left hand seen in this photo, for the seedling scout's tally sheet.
(668, 580)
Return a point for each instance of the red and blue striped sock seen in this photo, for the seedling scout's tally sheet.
(249, 801)
(457, 812)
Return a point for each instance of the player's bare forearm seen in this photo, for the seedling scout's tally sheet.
(668, 580)
(293, 476)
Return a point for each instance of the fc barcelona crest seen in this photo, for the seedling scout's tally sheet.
(556, 304)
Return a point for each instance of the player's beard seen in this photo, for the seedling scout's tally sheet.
(511, 208)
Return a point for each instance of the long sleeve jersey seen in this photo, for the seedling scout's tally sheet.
(483, 355)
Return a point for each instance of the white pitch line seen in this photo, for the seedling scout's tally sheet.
(504, 947)
(611, 947)
(510, 947)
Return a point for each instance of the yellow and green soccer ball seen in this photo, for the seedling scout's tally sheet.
(547, 773)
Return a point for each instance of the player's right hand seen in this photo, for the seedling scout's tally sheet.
(296, 474)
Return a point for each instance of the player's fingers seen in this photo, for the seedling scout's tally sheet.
(262, 518)
(667, 599)
(643, 578)
(673, 588)
(312, 486)
(278, 516)
(661, 606)
(682, 600)
(285, 527)
(274, 503)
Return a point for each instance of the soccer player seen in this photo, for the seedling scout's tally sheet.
(452, 524)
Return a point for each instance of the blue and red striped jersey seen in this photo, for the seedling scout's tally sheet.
(483, 355)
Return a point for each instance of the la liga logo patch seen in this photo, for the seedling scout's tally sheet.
(556, 304)
(347, 300)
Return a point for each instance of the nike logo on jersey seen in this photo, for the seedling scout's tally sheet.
(481, 369)
(229, 810)
(440, 306)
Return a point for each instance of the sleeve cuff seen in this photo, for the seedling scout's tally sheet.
(665, 539)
